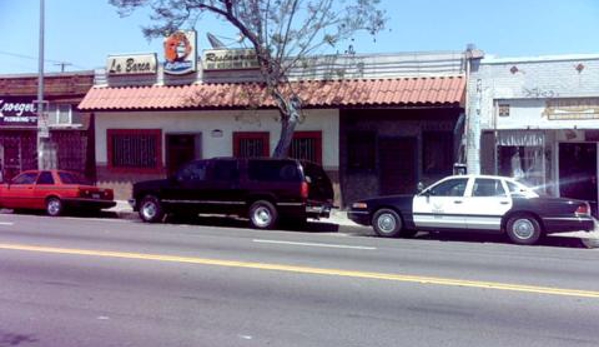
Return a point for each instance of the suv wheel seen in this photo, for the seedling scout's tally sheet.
(523, 229)
(150, 210)
(387, 223)
(263, 215)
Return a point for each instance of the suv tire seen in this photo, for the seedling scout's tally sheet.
(263, 215)
(150, 210)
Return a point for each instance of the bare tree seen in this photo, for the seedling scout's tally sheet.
(281, 31)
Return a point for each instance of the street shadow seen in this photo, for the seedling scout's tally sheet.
(243, 223)
(10, 339)
(547, 241)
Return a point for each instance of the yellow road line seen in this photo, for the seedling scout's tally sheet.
(310, 270)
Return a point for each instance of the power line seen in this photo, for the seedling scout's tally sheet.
(61, 63)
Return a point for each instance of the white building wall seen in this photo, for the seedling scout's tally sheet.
(229, 121)
(526, 84)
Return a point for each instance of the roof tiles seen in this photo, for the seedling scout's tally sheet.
(331, 93)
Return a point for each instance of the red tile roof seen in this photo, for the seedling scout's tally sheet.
(447, 91)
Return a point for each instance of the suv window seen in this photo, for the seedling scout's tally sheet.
(193, 171)
(45, 178)
(273, 171)
(452, 187)
(488, 187)
(225, 170)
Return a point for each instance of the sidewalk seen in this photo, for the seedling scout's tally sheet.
(339, 217)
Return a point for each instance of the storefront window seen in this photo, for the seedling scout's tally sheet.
(251, 144)
(522, 163)
(134, 149)
(521, 156)
(306, 145)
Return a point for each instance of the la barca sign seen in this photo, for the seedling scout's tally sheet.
(138, 64)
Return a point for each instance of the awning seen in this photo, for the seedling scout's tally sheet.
(431, 91)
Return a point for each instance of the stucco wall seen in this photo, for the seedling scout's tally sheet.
(204, 122)
(229, 121)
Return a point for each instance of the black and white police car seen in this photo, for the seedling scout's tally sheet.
(477, 203)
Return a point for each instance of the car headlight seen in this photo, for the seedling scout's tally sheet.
(359, 205)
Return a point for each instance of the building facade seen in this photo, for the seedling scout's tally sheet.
(378, 124)
(69, 130)
(537, 119)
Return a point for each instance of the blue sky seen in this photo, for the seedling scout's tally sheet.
(84, 32)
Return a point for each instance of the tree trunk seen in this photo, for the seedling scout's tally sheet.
(288, 123)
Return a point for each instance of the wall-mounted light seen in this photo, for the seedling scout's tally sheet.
(514, 69)
(579, 67)
(216, 133)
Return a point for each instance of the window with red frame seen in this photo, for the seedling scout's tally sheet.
(307, 145)
(251, 144)
(134, 149)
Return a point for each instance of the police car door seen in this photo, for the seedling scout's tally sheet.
(487, 204)
(441, 205)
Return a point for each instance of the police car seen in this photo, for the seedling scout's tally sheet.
(477, 203)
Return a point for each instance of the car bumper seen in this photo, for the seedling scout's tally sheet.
(318, 211)
(359, 216)
(565, 224)
(89, 203)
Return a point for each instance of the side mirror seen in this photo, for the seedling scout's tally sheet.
(420, 187)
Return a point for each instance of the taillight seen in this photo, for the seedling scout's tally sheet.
(305, 189)
(583, 209)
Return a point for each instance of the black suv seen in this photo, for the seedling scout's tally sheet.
(262, 189)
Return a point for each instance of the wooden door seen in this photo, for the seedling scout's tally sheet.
(180, 150)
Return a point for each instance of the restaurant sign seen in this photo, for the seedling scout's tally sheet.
(572, 109)
(17, 112)
(137, 64)
(180, 53)
(230, 59)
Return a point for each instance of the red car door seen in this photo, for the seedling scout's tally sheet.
(19, 193)
(44, 186)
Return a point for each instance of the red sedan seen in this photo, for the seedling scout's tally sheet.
(53, 191)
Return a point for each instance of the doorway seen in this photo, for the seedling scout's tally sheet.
(180, 149)
(398, 163)
(578, 172)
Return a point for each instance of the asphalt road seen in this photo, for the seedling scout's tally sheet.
(111, 282)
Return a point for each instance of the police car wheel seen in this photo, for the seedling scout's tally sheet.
(523, 229)
(387, 223)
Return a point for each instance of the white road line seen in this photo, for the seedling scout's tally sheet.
(309, 244)
(7, 223)
(111, 220)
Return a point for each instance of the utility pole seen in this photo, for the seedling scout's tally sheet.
(43, 135)
(62, 65)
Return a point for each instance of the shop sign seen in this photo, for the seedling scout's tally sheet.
(230, 59)
(572, 109)
(138, 64)
(17, 112)
(180, 53)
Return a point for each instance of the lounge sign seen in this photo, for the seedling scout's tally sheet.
(180, 53)
(572, 109)
(17, 112)
(138, 64)
(230, 59)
